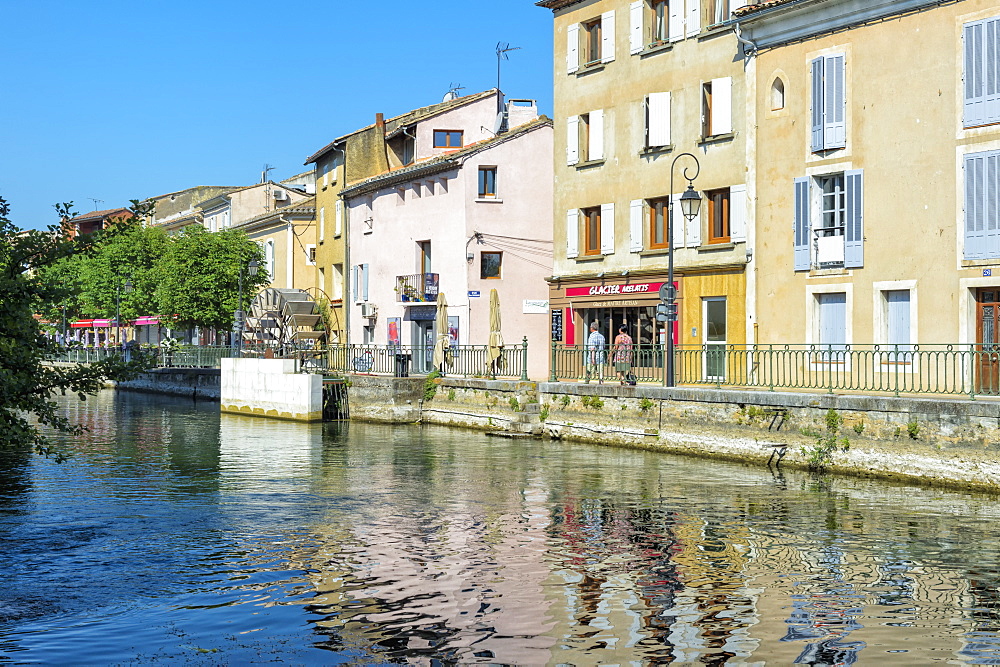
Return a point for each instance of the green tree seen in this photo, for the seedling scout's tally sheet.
(132, 253)
(200, 277)
(27, 383)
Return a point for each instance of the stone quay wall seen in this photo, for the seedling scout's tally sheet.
(200, 383)
(951, 442)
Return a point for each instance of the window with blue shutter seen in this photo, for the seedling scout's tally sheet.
(982, 192)
(832, 309)
(981, 72)
(800, 228)
(897, 304)
(854, 232)
(828, 121)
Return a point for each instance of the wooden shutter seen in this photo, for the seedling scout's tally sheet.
(801, 229)
(607, 36)
(692, 21)
(595, 148)
(607, 229)
(835, 102)
(817, 104)
(832, 319)
(658, 119)
(722, 105)
(676, 222)
(635, 214)
(675, 21)
(364, 282)
(975, 172)
(854, 231)
(355, 282)
(338, 222)
(635, 12)
(981, 75)
(738, 213)
(572, 140)
(898, 318)
(572, 233)
(572, 48)
(692, 227)
(322, 222)
(991, 207)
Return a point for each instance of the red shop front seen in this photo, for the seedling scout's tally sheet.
(574, 305)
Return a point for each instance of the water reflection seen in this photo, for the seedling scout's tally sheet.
(174, 530)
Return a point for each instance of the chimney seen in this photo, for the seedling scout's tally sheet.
(380, 122)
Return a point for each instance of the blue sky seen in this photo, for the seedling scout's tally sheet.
(127, 100)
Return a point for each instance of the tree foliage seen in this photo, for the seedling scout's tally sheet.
(27, 383)
(133, 253)
(201, 275)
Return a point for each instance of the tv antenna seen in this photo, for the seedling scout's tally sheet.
(452, 93)
(503, 48)
(263, 174)
(95, 201)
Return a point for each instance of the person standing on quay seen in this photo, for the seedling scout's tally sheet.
(595, 354)
(621, 354)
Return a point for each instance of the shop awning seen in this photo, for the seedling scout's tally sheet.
(82, 324)
(147, 319)
(101, 323)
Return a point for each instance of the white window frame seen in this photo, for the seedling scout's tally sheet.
(269, 259)
(310, 254)
(880, 318)
(813, 324)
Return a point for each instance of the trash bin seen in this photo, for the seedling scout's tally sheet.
(402, 365)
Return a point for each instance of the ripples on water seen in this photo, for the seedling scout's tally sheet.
(177, 535)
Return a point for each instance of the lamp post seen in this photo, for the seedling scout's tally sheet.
(690, 202)
(240, 317)
(64, 325)
(122, 287)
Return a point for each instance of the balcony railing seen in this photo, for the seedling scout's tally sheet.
(417, 287)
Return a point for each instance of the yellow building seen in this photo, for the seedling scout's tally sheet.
(287, 236)
(369, 151)
(637, 85)
(876, 135)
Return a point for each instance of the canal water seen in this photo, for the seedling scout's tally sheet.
(175, 534)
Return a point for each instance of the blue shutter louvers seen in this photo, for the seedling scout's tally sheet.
(828, 120)
(854, 236)
(801, 225)
(817, 104)
(981, 72)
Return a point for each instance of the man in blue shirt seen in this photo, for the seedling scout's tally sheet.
(594, 354)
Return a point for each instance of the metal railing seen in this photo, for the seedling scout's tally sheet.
(423, 287)
(972, 370)
(460, 360)
(185, 356)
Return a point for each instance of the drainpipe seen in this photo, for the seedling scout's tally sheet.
(749, 48)
(289, 252)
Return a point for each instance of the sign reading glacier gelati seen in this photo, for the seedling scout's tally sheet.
(620, 289)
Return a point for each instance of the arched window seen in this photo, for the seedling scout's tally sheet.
(269, 259)
(777, 94)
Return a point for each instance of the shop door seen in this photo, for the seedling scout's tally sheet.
(715, 337)
(987, 343)
(423, 346)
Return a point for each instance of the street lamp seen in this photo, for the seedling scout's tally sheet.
(690, 202)
(239, 317)
(126, 287)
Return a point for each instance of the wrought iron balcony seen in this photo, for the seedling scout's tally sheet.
(417, 287)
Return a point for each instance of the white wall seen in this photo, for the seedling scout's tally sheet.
(271, 388)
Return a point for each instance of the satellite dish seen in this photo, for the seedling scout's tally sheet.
(449, 96)
(498, 125)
